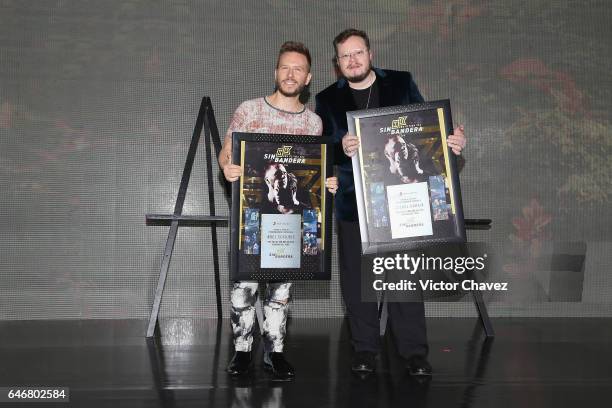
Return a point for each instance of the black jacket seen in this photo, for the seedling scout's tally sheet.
(395, 88)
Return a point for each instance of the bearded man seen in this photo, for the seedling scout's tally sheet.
(281, 113)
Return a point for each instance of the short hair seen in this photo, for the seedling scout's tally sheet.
(350, 32)
(294, 46)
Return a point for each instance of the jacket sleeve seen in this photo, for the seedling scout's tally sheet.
(413, 91)
(330, 127)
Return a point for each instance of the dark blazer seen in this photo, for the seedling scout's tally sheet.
(395, 88)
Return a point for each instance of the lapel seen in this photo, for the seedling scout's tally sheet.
(388, 96)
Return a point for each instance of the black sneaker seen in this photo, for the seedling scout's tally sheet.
(418, 366)
(276, 363)
(240, 364)
(363, 362)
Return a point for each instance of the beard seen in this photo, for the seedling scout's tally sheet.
(297, 91)
(360, 77)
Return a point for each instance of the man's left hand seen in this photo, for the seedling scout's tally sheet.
(457, 140)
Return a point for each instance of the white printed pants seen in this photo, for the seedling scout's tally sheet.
(275, 306)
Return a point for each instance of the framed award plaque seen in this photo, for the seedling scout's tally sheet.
(281, 210)
(406, 179)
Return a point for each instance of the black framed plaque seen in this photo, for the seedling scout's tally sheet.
(406, 178)
(281, 210)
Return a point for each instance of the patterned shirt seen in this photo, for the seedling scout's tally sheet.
(258, 116)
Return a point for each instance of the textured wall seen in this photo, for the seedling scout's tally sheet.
(98, 102)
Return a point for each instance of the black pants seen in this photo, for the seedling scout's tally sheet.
(406, 319)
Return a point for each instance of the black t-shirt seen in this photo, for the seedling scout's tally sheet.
(361, 96)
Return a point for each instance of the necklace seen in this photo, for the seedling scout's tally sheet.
(369, 94)
(369, 91)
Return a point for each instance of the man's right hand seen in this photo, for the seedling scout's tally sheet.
(350, 145)
(232, 172)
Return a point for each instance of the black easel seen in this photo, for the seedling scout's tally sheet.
(480, 224)
(206, 120)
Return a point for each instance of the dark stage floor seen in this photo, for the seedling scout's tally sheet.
(531, 363)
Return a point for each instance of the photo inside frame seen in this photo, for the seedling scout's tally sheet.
(281, 209)
(405, 174)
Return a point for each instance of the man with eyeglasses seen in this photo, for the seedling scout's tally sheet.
(281, 112)
(362, 86)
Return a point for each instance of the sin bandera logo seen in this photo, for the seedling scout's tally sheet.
(283, 155)
(399, 126)
(399, 122)
(284, 151)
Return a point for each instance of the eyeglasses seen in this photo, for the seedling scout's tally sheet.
(355, 54)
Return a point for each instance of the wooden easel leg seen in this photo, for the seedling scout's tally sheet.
(383, 313)
(483, 314)
(162, 277)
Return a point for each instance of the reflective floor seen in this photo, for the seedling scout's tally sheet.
(531, 363)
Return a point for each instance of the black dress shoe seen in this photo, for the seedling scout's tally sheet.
(276, 363)
(240, 364)
(363, 362)
(418, 366)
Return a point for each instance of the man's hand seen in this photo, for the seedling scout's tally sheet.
(350, 145)
(457, 140)
(332, 184)
(232, 172)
